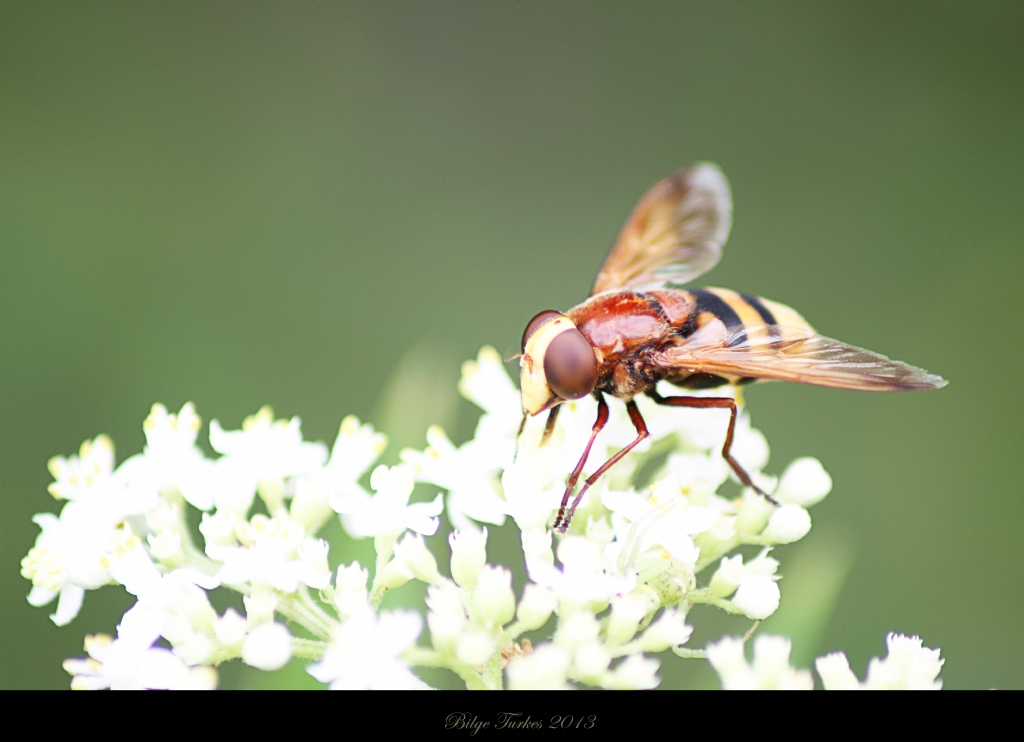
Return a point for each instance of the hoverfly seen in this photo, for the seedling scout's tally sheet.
(638, 328)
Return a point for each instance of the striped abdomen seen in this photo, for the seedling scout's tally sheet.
(691, 309)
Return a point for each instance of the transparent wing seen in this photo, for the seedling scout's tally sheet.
(674, 234)
(794, 354)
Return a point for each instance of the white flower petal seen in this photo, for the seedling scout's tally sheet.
(835, 672)
(40, 596)
(68, 605)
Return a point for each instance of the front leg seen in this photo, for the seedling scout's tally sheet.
(641, 433)
(602, 420)
(716, 402)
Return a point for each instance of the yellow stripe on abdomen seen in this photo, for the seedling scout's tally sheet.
(786, 317)
(753, 321)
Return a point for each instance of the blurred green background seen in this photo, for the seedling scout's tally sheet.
(327, 207)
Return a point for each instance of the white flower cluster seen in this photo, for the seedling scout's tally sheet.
(619, 591)
(909, 666)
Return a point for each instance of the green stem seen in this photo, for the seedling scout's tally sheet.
(308, 649)
(510, 633)
(750, 633)
(314, 607)
(376, 595)
(492, 672)
(473, 679)
(301, 609)
(690, 654)
(421, 657)
(707, 597)
(490, 679)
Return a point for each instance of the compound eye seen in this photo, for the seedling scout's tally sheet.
(537, 322)
(570, 366)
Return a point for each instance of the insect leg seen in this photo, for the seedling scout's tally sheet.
(641, 433)
(602, 420)
(716, 402)
(549, 426)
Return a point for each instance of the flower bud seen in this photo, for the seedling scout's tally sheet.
(352, 578)
(545, 669)
(805, 482)
(634, 673)
(475, 647)
(469, 555)
(727, 657)
(219, 529)
(771, 655)
(445, 597)
(591, 660)
(908, 666)
(230, 629)
(259, 608)
(445, 630)
(394, 575)
(197, 649)
(446, 617)
(627, 612)
(749, 445)
(670, 630)
(166, 547)
(310, 506)
(165, 515)
(494, 603)
(577, 629)
(350, 589)
(195, 605)
(771, 665)
(396, 481)
(176, 629)
(835, 672)
(415, 555)
(728, 576)
(268, 647)
(754, 513)
(763, 564)
(724, 528)
(757, 596)
(536, 607)
(788, 524)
